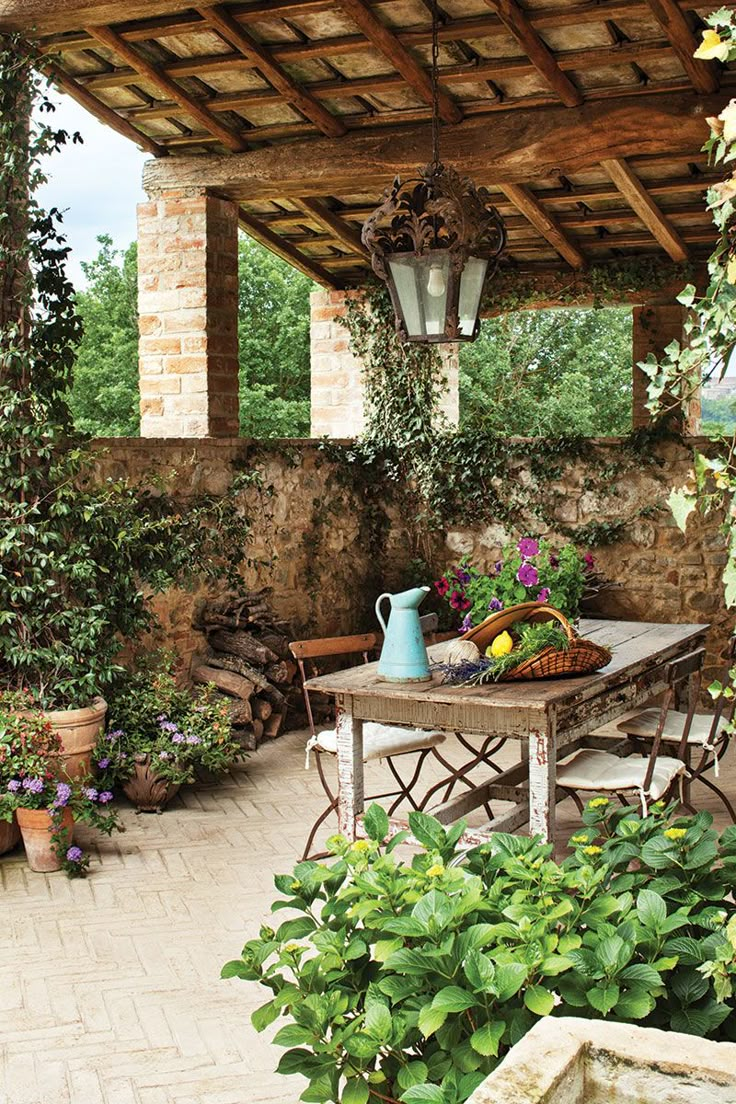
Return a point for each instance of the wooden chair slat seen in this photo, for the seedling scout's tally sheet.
(332, 646)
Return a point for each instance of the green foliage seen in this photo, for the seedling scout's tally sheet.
(410, 980)
(529, 640)
(548, 373)
(77, 560)
(179, 728)
(104, 394)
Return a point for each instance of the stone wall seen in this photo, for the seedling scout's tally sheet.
(319, 547)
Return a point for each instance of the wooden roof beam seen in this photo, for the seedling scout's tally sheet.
(672, 20)
(295, 95)
(638, 198)
(536, 50)
(106, 36)
(387, 43)
(342, 231)
(287, 252)
(526, 202)
(519, 148)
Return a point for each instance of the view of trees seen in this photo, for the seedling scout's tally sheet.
(530, 373)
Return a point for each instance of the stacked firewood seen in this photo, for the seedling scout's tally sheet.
(247, 658)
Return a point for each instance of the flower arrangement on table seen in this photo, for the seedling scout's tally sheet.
(165, 731)
(31, 779)
(530, 571)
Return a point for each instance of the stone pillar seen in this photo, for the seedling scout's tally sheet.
(653, 329)
(337, 391)
(188, 315)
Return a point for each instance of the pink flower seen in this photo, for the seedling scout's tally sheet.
(527, 575)
(528, 547)
(543, 594)
(442, 586)
(588, 561)
(458, 601)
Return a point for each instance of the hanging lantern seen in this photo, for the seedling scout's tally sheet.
(435, 240)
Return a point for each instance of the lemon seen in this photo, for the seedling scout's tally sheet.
(501, 646)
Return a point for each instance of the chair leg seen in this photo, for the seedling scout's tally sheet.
(719, 793)
(406, 787)
(313, 832)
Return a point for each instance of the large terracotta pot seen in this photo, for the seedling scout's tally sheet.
(78, 730)
(148, 793)
(36, 829)
(9, 835)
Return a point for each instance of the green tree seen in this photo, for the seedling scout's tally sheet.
(273, 344)
(104, 395)
(549, 373)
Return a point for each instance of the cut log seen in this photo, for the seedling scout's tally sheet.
(243, 645)
(257, 729)
(261, 708)
(232, 663)
(277, 642)
(281, 673)
(240, 712)
(228, 681)
(272, 726)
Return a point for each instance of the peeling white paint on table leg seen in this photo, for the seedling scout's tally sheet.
(542, 785)
(349, 770)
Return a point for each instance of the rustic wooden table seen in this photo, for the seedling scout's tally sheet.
(545, 716)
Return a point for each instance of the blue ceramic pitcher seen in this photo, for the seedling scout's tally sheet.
(404, 655)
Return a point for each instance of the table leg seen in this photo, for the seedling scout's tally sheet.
(350, 794)
(542, 785)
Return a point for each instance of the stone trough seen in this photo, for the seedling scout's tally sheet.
(575, 1061)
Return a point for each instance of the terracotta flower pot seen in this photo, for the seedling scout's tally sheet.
(148, 792)
(78, 730)
(36, 829)
(9, 835)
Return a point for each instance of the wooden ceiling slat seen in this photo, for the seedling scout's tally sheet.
(108, 37)
(639, 199)
(294, 93)
(536, 50)
(344, 233)
(286, 251)
(392, 49)
(526, 202)
(703, 74)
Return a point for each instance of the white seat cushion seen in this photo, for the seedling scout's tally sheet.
(589, 769)
(644, 725)
(381, 740)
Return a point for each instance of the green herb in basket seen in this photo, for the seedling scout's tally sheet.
(530, 639)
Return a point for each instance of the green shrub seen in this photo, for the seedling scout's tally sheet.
(410, 980)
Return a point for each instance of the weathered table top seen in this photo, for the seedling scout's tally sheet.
(639, 649)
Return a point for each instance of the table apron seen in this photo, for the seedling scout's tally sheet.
(470, 717)
(581, 718)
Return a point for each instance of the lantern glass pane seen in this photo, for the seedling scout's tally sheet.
(421, 286)
(471, 288)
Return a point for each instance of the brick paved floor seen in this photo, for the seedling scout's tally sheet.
(109, 987)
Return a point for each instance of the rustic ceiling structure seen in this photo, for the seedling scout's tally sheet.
(584, 119)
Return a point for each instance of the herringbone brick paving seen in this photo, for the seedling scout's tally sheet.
(109, 987)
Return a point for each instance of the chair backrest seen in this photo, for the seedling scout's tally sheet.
(309, 651)
(685, 670)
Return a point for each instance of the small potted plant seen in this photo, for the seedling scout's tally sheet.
(161, 735)
(44, 804)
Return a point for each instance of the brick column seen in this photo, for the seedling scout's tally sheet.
(653, 329)
(188, 315)
(337, 391)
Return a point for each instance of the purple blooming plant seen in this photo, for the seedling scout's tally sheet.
(527, 575)
(104, 763)
(528, 547)
(33, 785)
(13, 785)
(63, 793)
(467, 623)
(544, 594)
(495, 605)
(74, 854)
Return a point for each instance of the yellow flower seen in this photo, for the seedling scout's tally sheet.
(435, 870)
(292, 948)
(731, 270)
(360, 845)
(579, 839)
(598, 802)
(711, 47)
(501, 646)
(721, 479)
(592, 850)
(675, 833)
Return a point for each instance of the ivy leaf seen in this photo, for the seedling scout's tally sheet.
(682, 505)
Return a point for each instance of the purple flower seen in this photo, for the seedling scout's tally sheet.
(462, 576)
(63, 793)
(33, 785)
(498, 566)
(528, 547)
(116, 734)
(495, 605)
(74, 855)
(543, 594)
(90, 793)
(161, 717)
(105, 796)
(164, 755)
(527, 575)
(193, 740)
(103, 764)
(13, 785)
(467, 623)
(167, 726)
(177, 738)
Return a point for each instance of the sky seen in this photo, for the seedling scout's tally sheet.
(96, 185)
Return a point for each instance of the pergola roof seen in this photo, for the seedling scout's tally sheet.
(605, 99)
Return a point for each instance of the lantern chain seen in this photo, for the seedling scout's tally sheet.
(435, 87)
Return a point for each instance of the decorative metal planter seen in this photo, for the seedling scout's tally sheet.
(148, 792)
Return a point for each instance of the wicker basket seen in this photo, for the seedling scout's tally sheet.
(583, 657)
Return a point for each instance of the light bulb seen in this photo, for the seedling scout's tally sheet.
(436, 281)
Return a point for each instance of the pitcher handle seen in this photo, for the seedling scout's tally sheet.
(379, 615)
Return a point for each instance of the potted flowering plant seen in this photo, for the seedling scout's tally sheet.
(161, 735)
(45, 805)
(530, 571)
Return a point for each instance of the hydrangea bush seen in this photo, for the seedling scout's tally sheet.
(529, 571)
(180, 729)
(409, 980)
